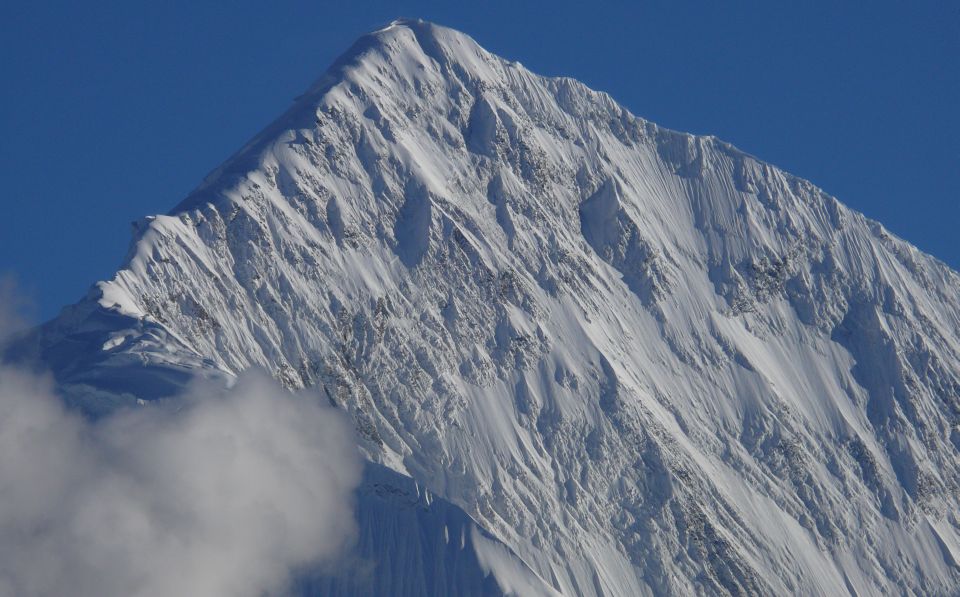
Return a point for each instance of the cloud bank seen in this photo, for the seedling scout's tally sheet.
(218, 493)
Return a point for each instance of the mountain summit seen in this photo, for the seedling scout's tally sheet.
(627, 360)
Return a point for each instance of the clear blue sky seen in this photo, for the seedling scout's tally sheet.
(117, 109)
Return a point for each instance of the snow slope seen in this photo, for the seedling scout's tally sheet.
(643, 361)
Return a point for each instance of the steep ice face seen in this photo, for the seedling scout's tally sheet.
(642, 360)
(415, 543)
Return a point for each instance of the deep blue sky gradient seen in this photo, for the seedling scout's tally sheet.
(113, 110)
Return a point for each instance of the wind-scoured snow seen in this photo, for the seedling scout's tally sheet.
(643, 362)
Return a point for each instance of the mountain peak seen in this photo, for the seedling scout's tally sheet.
(415, 24)
(411, 55)
(411, 39)
(546, 309)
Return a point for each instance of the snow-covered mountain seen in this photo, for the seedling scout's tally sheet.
(629, 360)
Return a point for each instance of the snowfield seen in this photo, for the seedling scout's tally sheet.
(623, 360)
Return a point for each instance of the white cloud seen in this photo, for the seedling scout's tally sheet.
(15, 308)
(217, 493)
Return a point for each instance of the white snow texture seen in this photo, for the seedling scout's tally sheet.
(642, 362)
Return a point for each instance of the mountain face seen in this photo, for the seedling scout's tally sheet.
(634, 361)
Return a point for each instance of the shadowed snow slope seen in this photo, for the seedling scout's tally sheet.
(643, 361)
